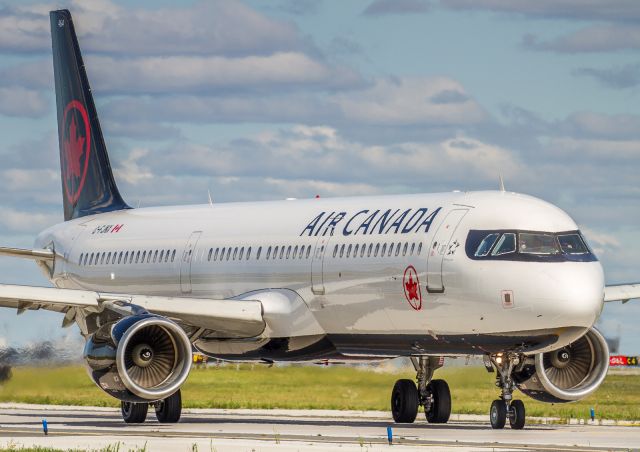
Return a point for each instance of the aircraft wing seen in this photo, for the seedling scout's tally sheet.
(234, 317)
(622, 292)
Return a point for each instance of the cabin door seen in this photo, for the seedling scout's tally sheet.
(185, 262)
(440, 246)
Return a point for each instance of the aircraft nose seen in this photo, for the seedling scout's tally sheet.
(579, 293)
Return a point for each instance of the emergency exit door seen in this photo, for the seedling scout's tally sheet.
(185, 262)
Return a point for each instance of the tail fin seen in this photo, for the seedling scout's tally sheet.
(88, 186)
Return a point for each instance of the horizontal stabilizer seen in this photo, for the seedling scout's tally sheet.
(38, 255)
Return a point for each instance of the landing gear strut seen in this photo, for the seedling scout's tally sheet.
(505, 407)
(433, 395)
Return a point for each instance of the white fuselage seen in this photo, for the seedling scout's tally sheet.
(359, 301)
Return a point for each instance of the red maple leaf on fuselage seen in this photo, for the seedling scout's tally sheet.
(73, 149)
(412, 288)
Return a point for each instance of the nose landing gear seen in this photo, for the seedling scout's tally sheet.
(433, 395)
(505, 407)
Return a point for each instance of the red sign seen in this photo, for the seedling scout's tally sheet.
(619, 360)
(411, 285)
(76, 144)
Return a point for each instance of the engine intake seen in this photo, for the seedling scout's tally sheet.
(567, 374)
(140, 358)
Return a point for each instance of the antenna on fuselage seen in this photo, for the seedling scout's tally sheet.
(502, 184)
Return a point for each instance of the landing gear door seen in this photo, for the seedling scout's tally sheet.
(185, 262)
(438, 249)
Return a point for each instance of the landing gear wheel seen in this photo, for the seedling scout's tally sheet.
(517, 415)
(168, 410)
(440, 409)
(498, 414)
(134, 413)
(404, 401)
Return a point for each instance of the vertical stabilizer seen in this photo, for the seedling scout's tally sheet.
(88, 186)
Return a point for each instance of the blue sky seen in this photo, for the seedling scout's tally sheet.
(272, 99)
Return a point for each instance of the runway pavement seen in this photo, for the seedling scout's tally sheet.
(291, 430)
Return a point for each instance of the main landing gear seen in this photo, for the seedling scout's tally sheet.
(505, 407)
(168, 410)
(433, 395)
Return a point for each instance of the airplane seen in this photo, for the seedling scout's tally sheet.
(498, 274)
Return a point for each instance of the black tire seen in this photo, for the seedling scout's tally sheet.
(498, 414)
(517, 415)
(440, 410)
(134, 413)
(404, 401)
(168, 410)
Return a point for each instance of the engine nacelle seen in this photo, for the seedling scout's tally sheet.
(140, 358)
(567, 374)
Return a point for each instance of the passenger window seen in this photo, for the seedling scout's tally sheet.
(281, 252)
(308, 251)
(241, 253)
(144, 256)
(398, 245)
(506, 244)
(249, 253)
(120, 257)
(288, 251)
(131, 257)
(259, 253)
(390, 250)
(364, 245)
(295, 252)
(235, 253)
(413, 247)
(377, 249)
(404, 250)
(166, 257)
(222, 253)
(149, 256)
(137, 256)
(486, 244)
(155, 256)
(275, 252)
(531, 243)
(355, 250)
(370, 249)
(335, 250)
(210, 254)
(126, 257)
(349, 251)
(91, 259)
(228, 253)
(419, 248)
(572, 244)
(342, 250)
(384, 250)
(80, 260)
(161, 256)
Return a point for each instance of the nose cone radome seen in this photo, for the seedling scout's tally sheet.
(579, 296)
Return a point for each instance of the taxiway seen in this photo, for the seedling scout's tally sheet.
(288, 430)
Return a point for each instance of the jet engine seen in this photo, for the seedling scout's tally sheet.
(140, 358)
(567, 374)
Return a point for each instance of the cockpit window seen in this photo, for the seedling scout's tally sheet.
(572, 244)
(486, 244)
(531, 243)
(506, 244)
(529, 246)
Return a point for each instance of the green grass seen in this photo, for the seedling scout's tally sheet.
(319, 387)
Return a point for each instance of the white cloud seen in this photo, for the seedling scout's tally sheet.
(20, 221)
(18, 101)
(409, 100)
